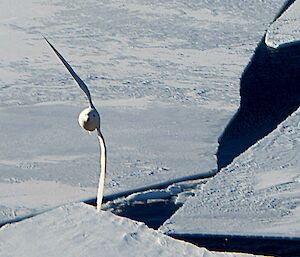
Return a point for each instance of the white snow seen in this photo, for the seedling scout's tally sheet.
(258, 194)
(164, 76)
(285, 31)
(148, 195)
(33, 196)
(78, 230)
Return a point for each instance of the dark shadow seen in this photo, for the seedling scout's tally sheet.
(152, 213)
(270, 246)
(286, 5)
(270, 92)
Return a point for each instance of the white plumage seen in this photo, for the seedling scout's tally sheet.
(89, 119)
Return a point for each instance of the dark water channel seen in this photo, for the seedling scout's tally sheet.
(153, 214)
(269, 246)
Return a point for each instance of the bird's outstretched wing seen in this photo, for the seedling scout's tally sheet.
(79, 81)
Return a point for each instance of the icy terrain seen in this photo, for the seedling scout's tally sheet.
(284, 32)
(78, 230)
(164, 75)
(259, 193)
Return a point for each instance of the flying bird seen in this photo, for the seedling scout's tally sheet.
(89, 119)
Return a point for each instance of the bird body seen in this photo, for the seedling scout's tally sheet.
(89, 119)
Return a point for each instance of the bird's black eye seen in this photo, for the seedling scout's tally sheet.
(94, 115)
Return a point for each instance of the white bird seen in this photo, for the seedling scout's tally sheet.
(89, 119)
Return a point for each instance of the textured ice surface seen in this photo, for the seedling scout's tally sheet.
(258, 194)
(52, 149)
(285, 31)
(163, 74)
(78, 230)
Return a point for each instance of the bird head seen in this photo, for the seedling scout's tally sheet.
(89, 119)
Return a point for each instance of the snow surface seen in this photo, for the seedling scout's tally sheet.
(163, 74)
(78, 230)
(285, 31)
(258, 194)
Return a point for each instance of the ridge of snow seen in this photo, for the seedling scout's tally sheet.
(78, 230)
(285, 31)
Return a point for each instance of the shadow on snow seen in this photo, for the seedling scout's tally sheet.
(270, 92)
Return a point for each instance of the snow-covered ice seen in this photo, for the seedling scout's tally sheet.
(258, 194)
(78, 230)
(164, 75)
(285, 31)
